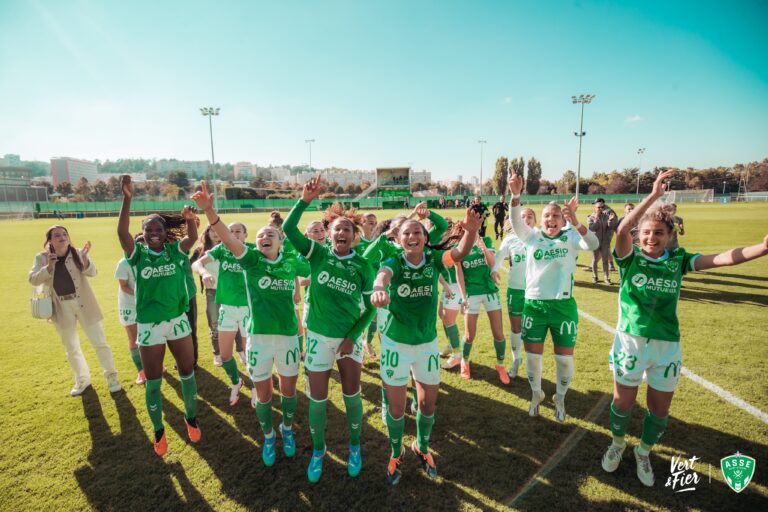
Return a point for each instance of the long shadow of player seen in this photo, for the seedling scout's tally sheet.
(123, 471)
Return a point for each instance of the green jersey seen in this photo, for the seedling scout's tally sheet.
(362, 245)
(230, 289)
(379, 250)
(412, 311)
(337, 286)
(649, 291)
(477, 273)
(161, 282)
(269, 290)
(449, 274)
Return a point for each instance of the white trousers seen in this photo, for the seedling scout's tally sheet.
(71, 341)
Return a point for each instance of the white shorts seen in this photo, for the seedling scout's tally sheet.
(305, 315)
(321, 352)
(234, 318)
(453, 303)
(127, 315)
(157, 334)
(267, 350)
(633, 358)
(489, 301)
(399, 360)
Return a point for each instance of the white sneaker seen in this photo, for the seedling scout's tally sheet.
(216, 360)
(452, 362)
(80, 387)
(559, 407)
(113, 383)
(242, 357)
(644, 470)
(533, 410)
(512, 372)
(612, 457)
(234, 394)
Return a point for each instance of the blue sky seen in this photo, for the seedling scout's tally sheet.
(387, 83)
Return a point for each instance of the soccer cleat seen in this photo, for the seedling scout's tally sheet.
(242, 357)
(453, 361)
(315, 468)
(80, 387)
(193, 430)
(644, 470)
(289, 442)
(447, 351)
(216, 360)
(234, 393)
(161, 445)
(393, 470)
(113, 383)
(140, 378)
(503, 377)
(427, 462)
(559, 407)
(268, 454)
(533, 410)
(612, 457)
(512, 372)
(354, 461)
(465, 370)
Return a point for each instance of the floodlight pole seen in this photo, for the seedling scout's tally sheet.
(583, 99)
(210, 112)
(639, 168)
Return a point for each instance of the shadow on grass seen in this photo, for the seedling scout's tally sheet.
(697, 278)
(123, 471)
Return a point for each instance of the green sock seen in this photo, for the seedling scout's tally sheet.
(136, 358)
(264, 415)
(354, 406)
(154, 403)
(414, 395)
(317, 421)
(384, 399)
(230, 366)
(371, 333)
(424, 430)
(452, 333)
(619, 424)
(396, 428)
(301, 343)
(288, 405)
(466, 348)
(501, 347)
(653, 427)
(189, 393)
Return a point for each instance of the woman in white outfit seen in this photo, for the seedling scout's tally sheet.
(63, 269)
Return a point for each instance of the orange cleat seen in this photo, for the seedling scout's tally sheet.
(465, 370)
(161, 446)
(193, 432)
(503, 377)
(141, 378)
(393, 470)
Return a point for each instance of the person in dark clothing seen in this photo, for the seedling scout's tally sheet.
(499, 210)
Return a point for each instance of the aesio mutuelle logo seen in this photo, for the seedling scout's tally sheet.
(639, 280)
(403, 290)
(264, 282)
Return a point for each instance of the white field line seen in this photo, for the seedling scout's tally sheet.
(722, 393)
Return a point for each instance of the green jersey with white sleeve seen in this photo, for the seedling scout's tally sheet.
(411, 316)
(649, 291)
(161, 282)
(477, 272)
(230, 289)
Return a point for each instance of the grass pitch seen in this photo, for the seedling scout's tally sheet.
(94, 451)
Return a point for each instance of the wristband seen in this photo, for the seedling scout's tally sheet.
(218, 219)
(515, 196)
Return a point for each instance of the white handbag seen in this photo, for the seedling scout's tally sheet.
(42, 304)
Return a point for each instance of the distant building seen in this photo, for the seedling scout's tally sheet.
(10, 161)
(245, 171)
(194, 169)
(65, 169)
(136, 177)
(15, 186)
(421, 177)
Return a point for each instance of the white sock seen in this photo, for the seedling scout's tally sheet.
(516, 342)
(564, 373)
(533, 369)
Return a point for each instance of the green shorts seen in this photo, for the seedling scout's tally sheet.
(515, 301)
(561, 317)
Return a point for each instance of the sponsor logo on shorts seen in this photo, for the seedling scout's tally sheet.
(390, 373)
(292, 355)
(682, 474)
(180, 327)
(737, 470)
(159, 271)
(571, 327)
(673, 367)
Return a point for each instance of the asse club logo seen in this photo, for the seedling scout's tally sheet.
(737, 470)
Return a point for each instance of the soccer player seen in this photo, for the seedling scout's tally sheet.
(161, 303)
(126, 308)
(514, 250)
(480, 291)
(270, 276)
(366, 237)
(409, 334)
(450, 304)
(647, 340)
(341, 279)
(232, 297)
(551, 254)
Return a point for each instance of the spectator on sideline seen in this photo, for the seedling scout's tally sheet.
(678, 227)
(499, 210)
(604, 225)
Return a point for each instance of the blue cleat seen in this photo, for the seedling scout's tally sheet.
(289, 443)
(355, 460)
(268, 454)
(315, 468)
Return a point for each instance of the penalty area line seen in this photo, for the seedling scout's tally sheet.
(722, 393)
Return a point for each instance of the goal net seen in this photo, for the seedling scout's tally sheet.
(689, 196)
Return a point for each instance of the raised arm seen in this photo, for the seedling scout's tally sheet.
(624, 233)
(732, 256)
(501, 254)
(519, 227)
(291, 225)
(188, 241)
(204, 201)
(589, 241)
(439, 227)
(380, 296)
(199, 267)
(471, 224)
(124, 220)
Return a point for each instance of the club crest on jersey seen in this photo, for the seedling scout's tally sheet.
(428, 272)
(390, 373)
(673, 265)
(737, 470)
(563, 238)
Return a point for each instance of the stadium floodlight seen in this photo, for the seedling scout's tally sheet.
(481, 142)
(640, 152)
(310, 141)
(210, 112)
(583, 99)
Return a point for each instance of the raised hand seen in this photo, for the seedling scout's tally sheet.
(472, 221)
(202, 198)
(188, 212)
(311, 190)
(658, 186)
(421, 211)
(127, 185)
(52, 258)
(515, 184)
(569, 211)
(86, 248)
